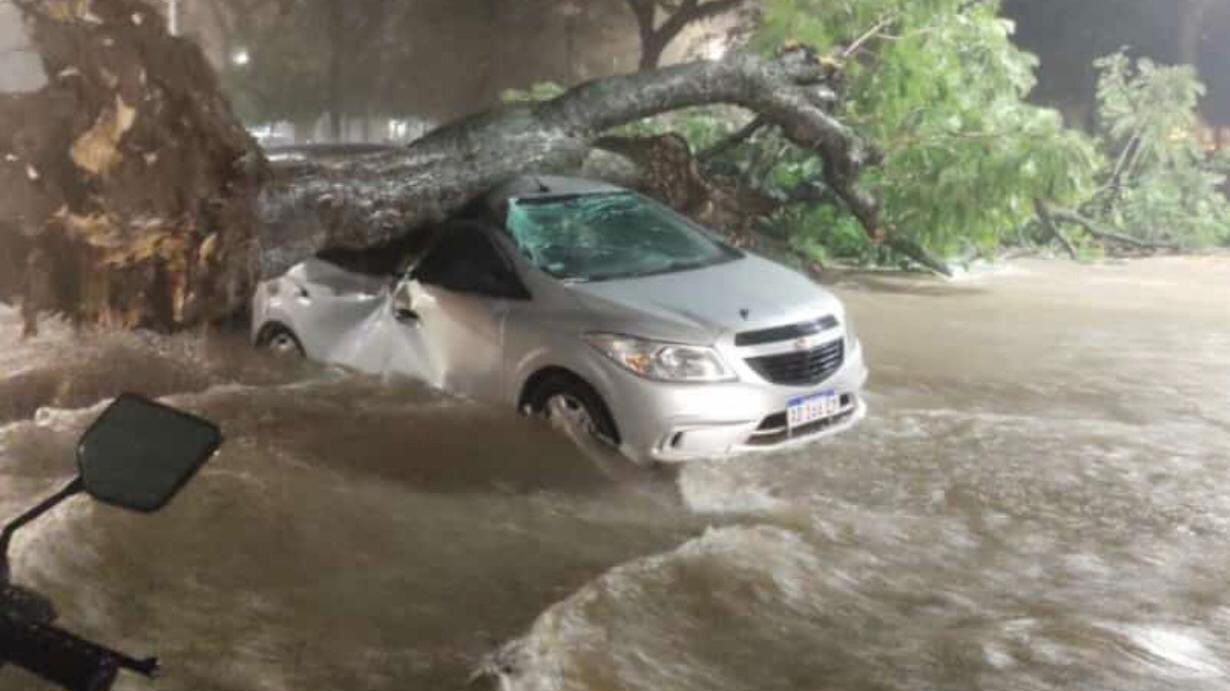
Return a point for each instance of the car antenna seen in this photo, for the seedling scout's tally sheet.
(542, 186)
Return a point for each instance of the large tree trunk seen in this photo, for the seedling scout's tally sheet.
(129, 187)
(141, 207)
(361, 203)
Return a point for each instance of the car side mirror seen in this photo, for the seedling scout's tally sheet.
(403, 301)
(138, 453)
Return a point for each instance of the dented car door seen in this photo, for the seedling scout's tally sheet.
(451, 310)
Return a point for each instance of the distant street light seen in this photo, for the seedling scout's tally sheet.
(241, 57)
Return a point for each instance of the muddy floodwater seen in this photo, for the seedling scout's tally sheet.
(1038, 499)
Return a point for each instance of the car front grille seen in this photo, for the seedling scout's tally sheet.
(801, 368)
(786, 333)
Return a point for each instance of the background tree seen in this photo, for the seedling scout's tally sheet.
(427, 60)
(1160, 189)
(298, 59)
(656, 35)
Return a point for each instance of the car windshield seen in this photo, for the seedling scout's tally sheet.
(603, 236)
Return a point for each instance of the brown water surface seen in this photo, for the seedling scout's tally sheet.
(1036, 500)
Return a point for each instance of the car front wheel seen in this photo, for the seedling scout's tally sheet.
(280, 341)
(574, 407)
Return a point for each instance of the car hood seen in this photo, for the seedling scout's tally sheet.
(701, 305)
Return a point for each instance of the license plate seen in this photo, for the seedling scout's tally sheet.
(806, 409)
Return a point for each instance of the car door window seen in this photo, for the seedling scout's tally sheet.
(464, 260)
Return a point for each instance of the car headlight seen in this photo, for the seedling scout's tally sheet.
(851, 336)
(662, 361)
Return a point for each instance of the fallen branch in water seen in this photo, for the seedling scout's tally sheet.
(918, 254)
(1050, 217)
(1097, 230)
(1047, 219)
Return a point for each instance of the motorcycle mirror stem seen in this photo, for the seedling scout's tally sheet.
(137, 455)
(74, 487)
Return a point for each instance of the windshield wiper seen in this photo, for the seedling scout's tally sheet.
(670, 268)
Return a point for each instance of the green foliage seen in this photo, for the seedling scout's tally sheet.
(825, 232)
(939, 87)
(1162, 186)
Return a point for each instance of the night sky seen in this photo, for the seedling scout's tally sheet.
(1069, 34)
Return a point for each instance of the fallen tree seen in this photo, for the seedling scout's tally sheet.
(370, 201)
(149, 204)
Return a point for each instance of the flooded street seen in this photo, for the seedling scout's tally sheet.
(1037, 499)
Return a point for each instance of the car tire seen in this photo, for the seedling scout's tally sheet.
(565, 395)
(280, 341)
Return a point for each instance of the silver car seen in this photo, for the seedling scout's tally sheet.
(596, 307)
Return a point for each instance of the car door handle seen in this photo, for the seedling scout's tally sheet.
(406, 316)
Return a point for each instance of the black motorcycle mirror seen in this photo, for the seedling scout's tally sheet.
(137, 455)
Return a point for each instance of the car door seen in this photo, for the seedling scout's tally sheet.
(451, 309)
(336, 312)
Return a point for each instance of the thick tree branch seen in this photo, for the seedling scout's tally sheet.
(368, 202)
(1051, 217)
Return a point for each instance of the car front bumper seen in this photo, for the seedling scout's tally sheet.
(667, 422)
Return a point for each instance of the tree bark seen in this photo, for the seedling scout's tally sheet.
(371, 201)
